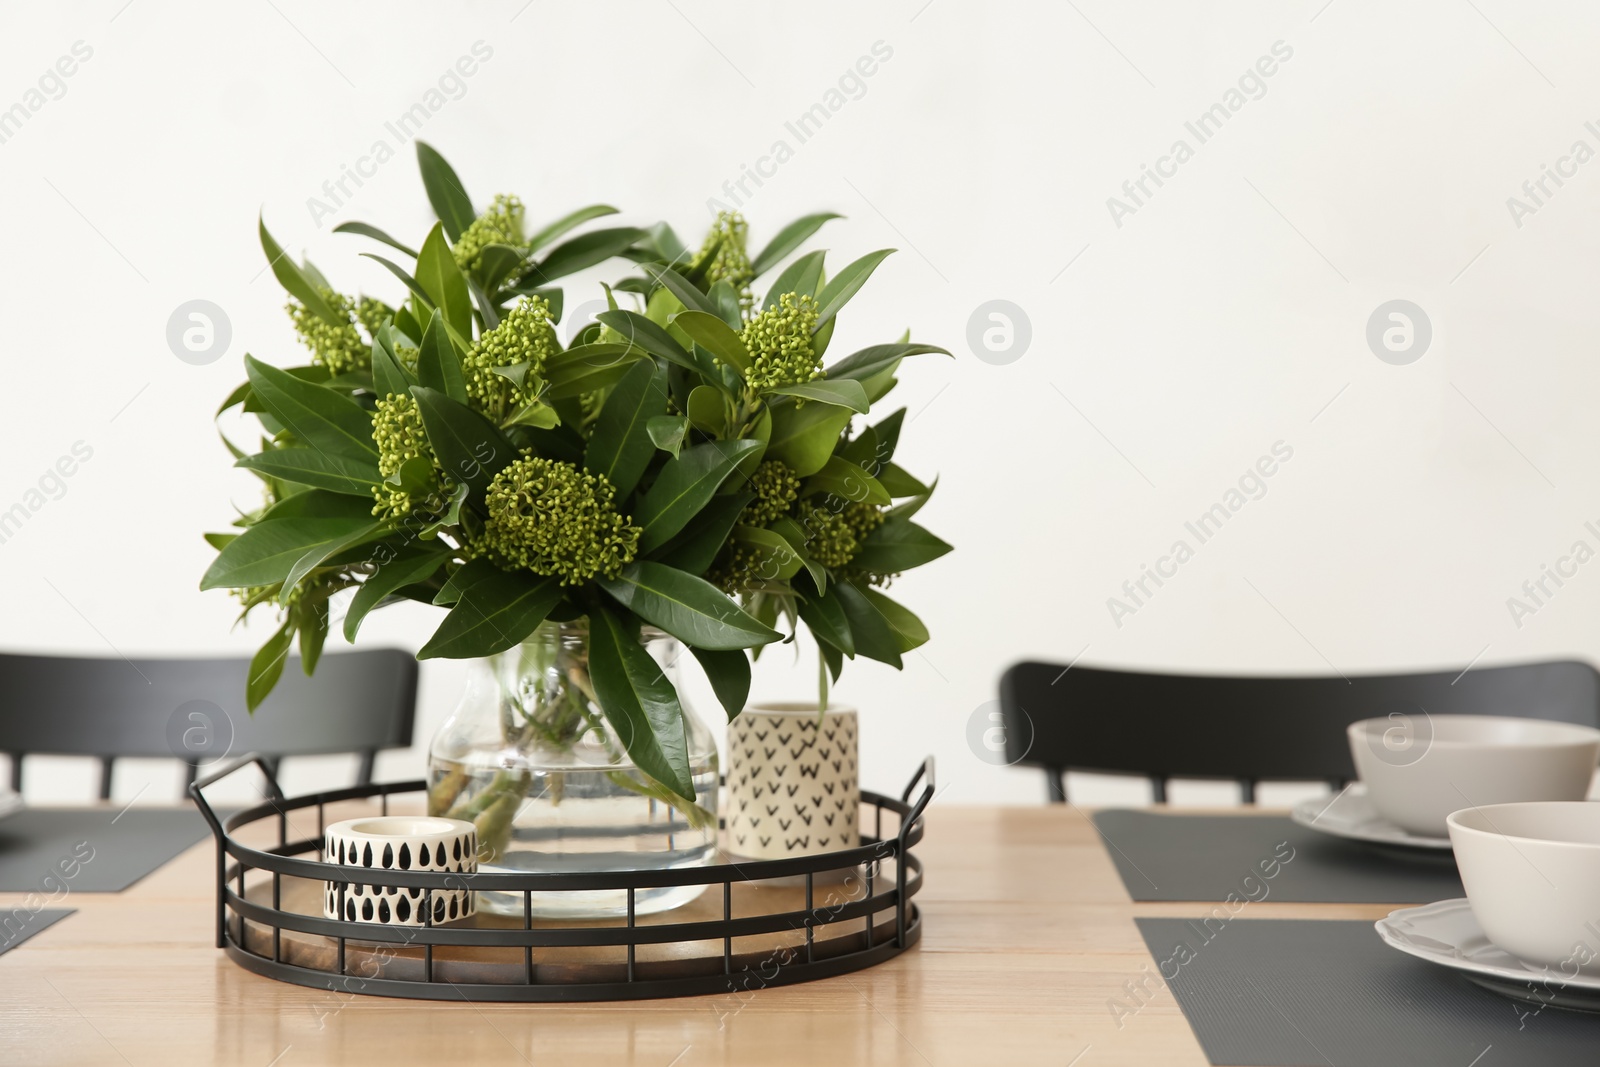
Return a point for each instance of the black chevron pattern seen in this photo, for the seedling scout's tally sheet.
(808, 784)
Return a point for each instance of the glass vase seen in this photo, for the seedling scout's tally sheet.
(529, 758)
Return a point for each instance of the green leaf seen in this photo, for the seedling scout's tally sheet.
(715, 336)
(682, 288)
(496, 263)
(907, 627)
(536, 414)
(727, 303)
(585, 250)
(589, 368)
(316, 555)
(778, 558)
(689, 608)
(411, 283)
(405, 321)
(293, 279)
(788, 239)
(494, 612)
(825, 615)
(697, 544)
(376, 234)
(792, 532)
(667, 432)
(445, 192)
(319, 417)
(729, 674)
(620, 447)
(869, 361)
(837, 293)
(640, 331)
(874, 637)
(900, 484)
(219, 541)
(312, 625)
(666, 243)
(835, 661)
(897, 545)
(843, 394)
(804, 436)
(240, 394)
(266, 552)
(802, 277)
(707, 412)
(266, 666)
(403, 569)
(488, 313)
(908, 508)
(438, 364)
(322, 470)
(444, 283)
(319, 504)
(639, 702)
(567, 223)
(469, 447)
(845, 480)
(684, 486)
(389, 374)
(887, 432)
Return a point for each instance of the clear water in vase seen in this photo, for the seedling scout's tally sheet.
(581, 820)
(530, 759)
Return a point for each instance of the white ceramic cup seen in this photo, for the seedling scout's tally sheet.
(399, 843)
(1532, 875)
(1418, 770)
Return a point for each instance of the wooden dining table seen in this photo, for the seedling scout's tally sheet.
(1028, 946)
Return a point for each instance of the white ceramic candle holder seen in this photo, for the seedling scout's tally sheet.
(399, 843)
(792, 781)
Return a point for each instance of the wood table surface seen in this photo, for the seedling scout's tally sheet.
(1028, 938)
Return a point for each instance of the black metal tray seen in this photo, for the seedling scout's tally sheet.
(775, 922)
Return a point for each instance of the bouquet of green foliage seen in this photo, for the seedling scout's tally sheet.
(686, 463)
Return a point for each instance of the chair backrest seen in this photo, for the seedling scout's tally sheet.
(1210, 726)
(194, 709)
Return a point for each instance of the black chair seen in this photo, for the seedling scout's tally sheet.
(194, 709)
(1247, 729)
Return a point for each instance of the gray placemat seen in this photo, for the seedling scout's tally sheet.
(1293, 992)
(91, 850)
(1266, 857)
(20, 924)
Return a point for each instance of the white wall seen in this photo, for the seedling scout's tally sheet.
(1226, 314)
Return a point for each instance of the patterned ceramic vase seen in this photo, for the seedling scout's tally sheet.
(399, 843)
(793, 781)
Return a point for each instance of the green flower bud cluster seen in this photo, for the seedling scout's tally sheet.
(862, 519)
(829, 539)
(500, 225)
(372, 314)
(525, 335)
(398, 432)
(737, 568)
(339, 348)
(779, 340)
(730, 262)
(554, 519)
(776, 488)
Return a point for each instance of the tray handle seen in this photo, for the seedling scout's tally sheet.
(196, 793)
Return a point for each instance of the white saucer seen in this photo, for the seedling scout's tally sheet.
(1351, 815)
(1447, 934)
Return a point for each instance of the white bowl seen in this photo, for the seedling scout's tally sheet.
(1418, 770)
(1532, 875)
